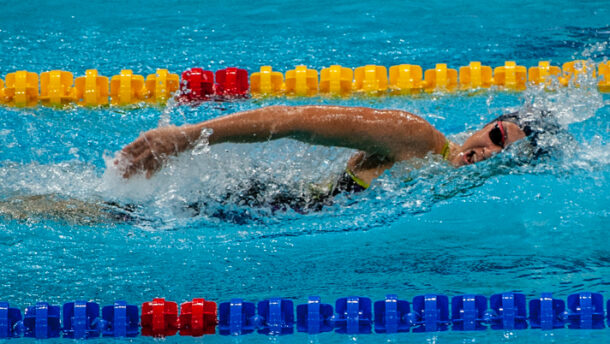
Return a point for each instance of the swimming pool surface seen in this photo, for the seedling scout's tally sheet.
(485, 229)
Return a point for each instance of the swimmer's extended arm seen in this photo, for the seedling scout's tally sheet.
(392, 134)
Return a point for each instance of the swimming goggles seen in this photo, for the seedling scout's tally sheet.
(497, 135)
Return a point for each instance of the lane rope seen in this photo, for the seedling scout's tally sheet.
(59, 88)
(276, 316)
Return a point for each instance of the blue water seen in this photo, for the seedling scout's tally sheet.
(483, 229)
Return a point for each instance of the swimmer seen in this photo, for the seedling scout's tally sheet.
(382, 138)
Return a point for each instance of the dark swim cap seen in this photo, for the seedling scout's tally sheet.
(536, 124)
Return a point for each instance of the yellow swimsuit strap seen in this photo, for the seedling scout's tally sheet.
(445, 151)
(356, 179)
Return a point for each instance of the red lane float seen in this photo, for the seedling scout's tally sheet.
(232, 82)
(159, 318)
(198, 318)
(197, 85)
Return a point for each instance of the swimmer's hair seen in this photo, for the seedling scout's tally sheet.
(536, 124)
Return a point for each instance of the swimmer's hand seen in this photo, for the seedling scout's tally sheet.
(152, 148)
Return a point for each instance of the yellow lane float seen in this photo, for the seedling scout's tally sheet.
(371, 79)
(56, 88)
(126, 88)
(21, 89)
(161, 85)
(266, 82)
(336, 80)
(543, 73)
(406, 79)
(440, 78)
(572, 71)
(302, 81)
(91, 89)
(475, 76)
(510, 76)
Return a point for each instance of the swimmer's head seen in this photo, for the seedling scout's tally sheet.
(505, 130)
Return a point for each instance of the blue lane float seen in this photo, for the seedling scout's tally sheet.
(236, 317)
(586, 311)
(430, 313)
(392, 315)
(276, 316)
(81, 319)
(508, 311)
(547, 313)
(120, 320)
(468, 312)
(314, 317)
(353, 315)
(41, 321)
(10, 321)
(350, 315)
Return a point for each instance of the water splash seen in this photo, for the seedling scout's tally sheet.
(575, 103)
(202, 145)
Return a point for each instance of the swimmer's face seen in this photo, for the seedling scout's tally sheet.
(488, 141)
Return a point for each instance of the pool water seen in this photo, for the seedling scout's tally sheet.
(487, 228)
